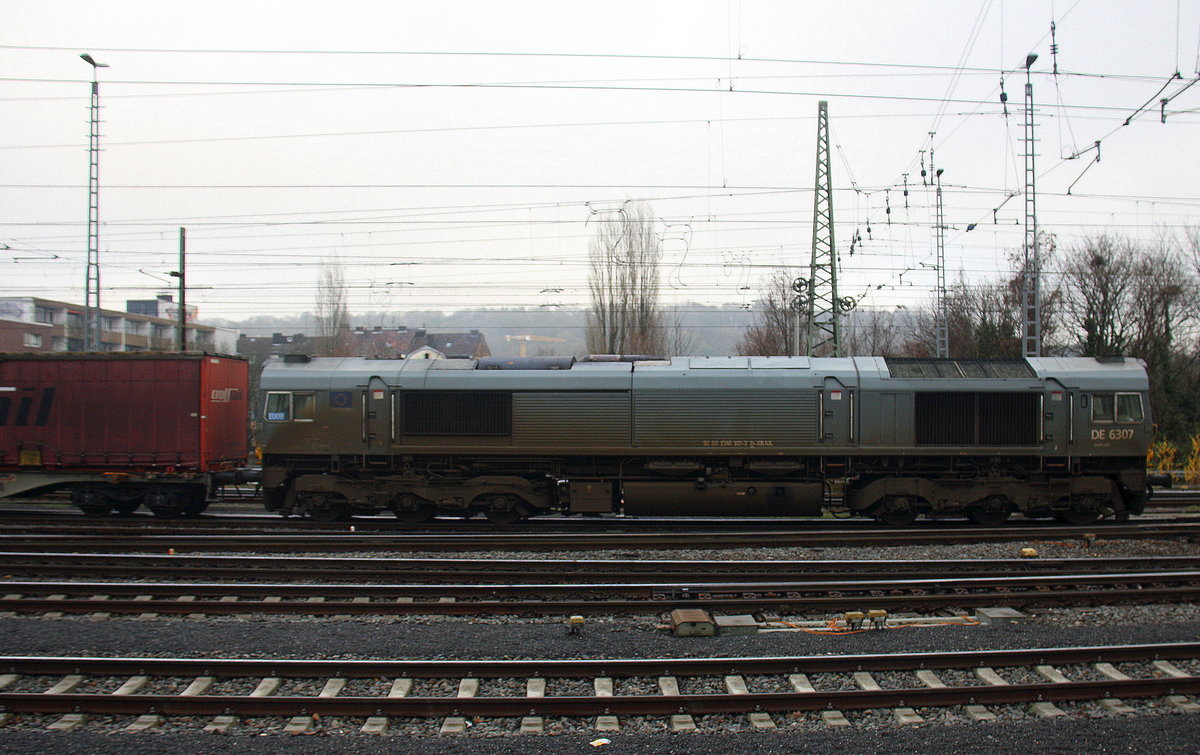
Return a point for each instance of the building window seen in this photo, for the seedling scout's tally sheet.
(74, 320)
(132, 327)
(33, 341)
(43, 314)
(108, 323)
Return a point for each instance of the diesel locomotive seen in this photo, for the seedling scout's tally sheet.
(892, 439)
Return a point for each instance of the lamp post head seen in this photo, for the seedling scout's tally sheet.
(92, 61)
(1029, 59)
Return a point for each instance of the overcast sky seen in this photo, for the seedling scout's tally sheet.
(454, 155)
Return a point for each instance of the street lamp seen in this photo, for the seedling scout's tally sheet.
(91, 326)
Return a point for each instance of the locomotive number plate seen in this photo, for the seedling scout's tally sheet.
(1113, 434)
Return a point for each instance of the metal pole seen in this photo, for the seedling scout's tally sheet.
(1031, 297)
(824, 306)
(182, 290)
(943, 320)
(91, 293)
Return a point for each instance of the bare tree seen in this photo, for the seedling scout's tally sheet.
(985, 318)
(625, 316)
(871, 333)
(1098, 276)
(333, 315)
(981, 320)
(1164, 302)
(775, 323)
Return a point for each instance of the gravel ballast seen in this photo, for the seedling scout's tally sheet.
(1157, 727)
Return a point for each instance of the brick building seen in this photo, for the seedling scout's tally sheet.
(32, 324)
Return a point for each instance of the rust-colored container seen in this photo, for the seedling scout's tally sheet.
(122, 412)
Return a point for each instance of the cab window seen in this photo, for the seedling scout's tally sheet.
(1124, 408)
(302, 407)
(286, 406)
(279, 407)
(1129, 407)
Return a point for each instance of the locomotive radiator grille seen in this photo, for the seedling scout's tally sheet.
(976, 419)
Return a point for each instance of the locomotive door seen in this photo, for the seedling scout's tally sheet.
(378, 417)
(1056, 417)
(836, 418)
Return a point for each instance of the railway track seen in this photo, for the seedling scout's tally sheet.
(241, 513)
(607, 689)
(563, 571)
(557, 599)
(345, 541)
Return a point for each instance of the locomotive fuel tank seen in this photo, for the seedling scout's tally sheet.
(728, 499)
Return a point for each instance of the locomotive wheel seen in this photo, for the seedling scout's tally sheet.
(419, 515)
(91, 501)
(897, 511)
(125, 508)
(503, 516)
(323, 507)
(990, 512)
(1080, 511)
(503, 509)
(411, 509)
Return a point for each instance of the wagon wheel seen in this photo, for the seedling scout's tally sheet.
(164, 503)
(411, 509)
(1080, 511)
(91, 501)
(502, 509)
(196, 504)
(125, 508)
(326, 507)
(897, 511)
(992, 511)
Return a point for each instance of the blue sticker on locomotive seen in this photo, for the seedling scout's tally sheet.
(341, 399)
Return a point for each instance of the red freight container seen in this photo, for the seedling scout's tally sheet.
(122, 412)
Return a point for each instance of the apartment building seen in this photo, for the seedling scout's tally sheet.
(29, 323)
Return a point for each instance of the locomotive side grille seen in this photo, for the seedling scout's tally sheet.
(945, 419)
(571, 419)
(457, 413)
(976, 419)
(1008, 419)
(724, 419)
